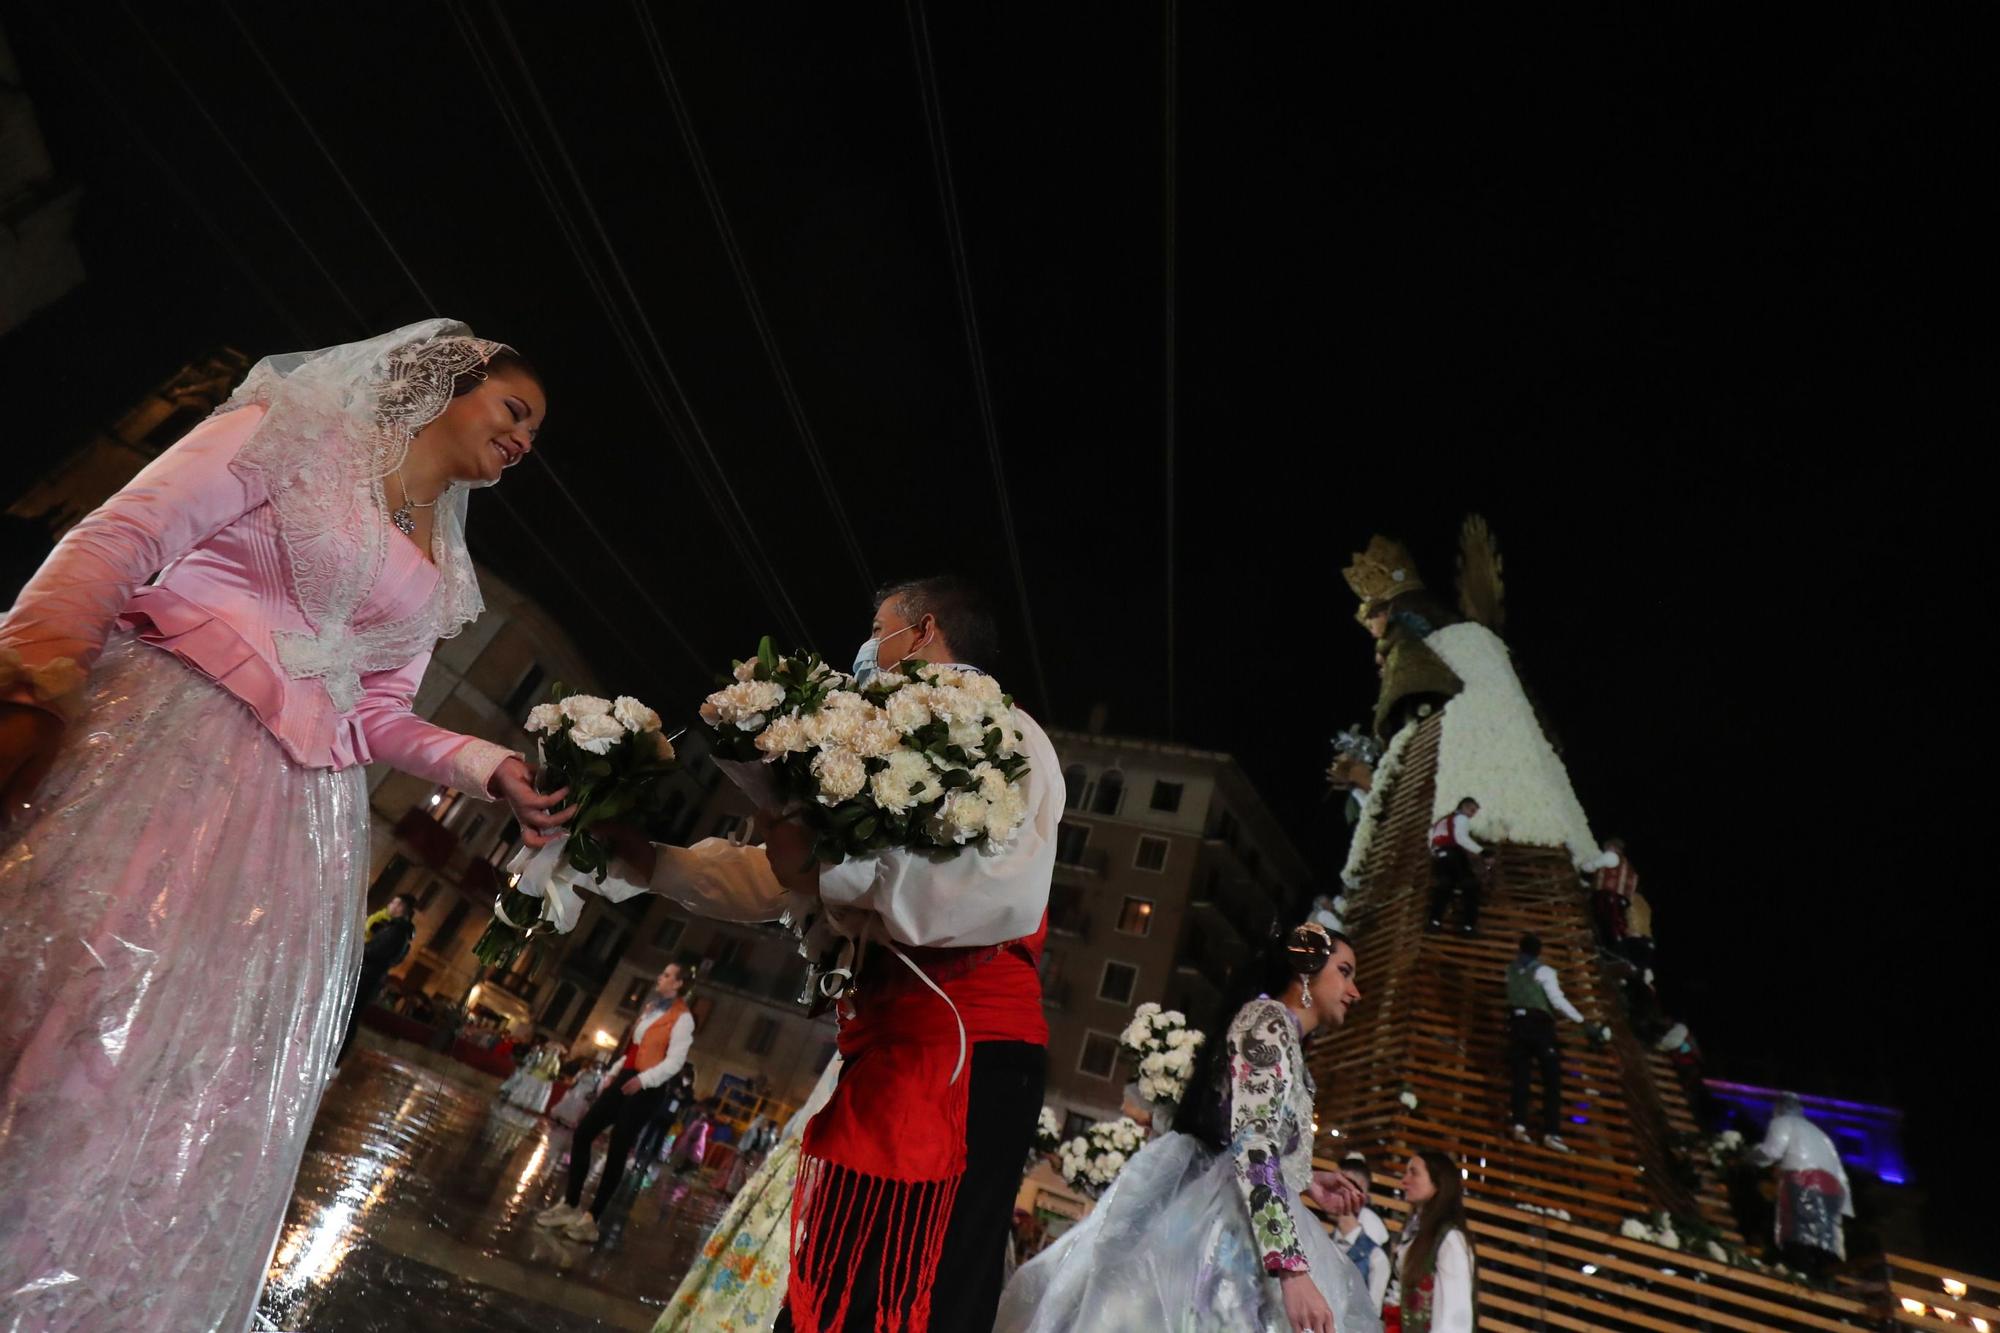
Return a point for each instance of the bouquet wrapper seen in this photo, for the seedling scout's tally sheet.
(547, 874)
(753, 778)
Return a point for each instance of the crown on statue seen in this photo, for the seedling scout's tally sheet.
(1382, 571)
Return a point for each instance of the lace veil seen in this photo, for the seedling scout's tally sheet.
(337, 422)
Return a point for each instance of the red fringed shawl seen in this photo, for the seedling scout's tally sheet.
(888, 1150)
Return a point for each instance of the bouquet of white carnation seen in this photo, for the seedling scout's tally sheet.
(1048, 1131)
(1161, 1047)
(611, 754)
(923, 757)
(1093, 1159)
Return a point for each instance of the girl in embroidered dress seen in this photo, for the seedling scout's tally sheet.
(1435, 1288)
(182, 876)
(1206, 1229)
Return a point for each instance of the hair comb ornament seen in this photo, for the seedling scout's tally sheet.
(1308, 948)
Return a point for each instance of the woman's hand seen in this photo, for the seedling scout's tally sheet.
(1304, 1306)
(29, 740)
(1337, 1193)
(514, 783)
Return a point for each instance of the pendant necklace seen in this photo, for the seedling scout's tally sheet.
(405, 517)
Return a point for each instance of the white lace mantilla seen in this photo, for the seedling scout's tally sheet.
(337, 422)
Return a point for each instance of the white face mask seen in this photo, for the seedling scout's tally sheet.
(866, 657)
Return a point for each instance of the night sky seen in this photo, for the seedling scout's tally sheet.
(1669, 301)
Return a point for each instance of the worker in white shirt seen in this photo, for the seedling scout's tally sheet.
(1534, 998)
(1453, 870)
(626, 1101)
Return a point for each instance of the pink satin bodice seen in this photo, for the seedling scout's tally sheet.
(220, 598)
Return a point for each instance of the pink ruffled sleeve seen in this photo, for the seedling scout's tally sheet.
(401, 739)
(59, 623)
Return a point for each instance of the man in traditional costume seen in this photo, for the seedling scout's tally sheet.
(1454, 871)
(1813, 1194)
(912, 1167)
(1534, 998)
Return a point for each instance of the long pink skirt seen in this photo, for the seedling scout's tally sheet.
(179, 938)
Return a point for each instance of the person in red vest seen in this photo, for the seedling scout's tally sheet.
(629, 1097)
(912, 1167)
(1611, 895)
(1453, 870)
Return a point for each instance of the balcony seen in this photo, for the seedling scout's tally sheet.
(1090, 861)
(1068, 919)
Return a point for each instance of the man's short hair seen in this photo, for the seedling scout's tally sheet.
(961, 610)
(409, 903)
(1464, 801)
(1531, 945)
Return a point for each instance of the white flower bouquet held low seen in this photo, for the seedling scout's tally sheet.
(1092, 1160)
(612, 755)
(922, 757)
(1162, 1048)
(1048, 1131)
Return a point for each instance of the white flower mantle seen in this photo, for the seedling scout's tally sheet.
(1492, 748)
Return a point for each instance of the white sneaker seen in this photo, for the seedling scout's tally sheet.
(583, 1230)
(1554, 1144)
(1521, 1134)
(559, 1216)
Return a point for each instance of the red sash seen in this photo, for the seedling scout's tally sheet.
(890, 1143)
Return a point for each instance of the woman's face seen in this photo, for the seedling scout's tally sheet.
(1417, 1184)
(1332, 988)
(484, 432)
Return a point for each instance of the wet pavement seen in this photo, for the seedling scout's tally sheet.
(415, 1209)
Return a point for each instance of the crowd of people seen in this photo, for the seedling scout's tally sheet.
(248, 622)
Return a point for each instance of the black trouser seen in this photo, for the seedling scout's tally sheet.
(364, 995)
(1531, 1041)
(1005, 1097)
(1452, 872)
(625, 1114)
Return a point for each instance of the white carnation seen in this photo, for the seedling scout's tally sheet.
(940, 675)
(597, 732)
(580, 706)
(841, 775)
(908, 709)
(875, 737)
(1005, 816)
(962, 817)
(908, 781)
(746, 670)
(663, 749)
(633, 715)
(1633, 1229)
(544, 718)
(955, 705)
(1409, 1099)
(743, 704)
(981, 687)
(1146, 1010)
(782, 736)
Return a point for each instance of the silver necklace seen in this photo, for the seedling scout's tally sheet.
(405, 517)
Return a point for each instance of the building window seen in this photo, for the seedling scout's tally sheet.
(1071, 839)
(635, 995)
(763, 1036)
(1066, 914)
(429, 892)
(1136, 917)
(1167, 796)
(1076, 1123)
(1118, 982)
(1074, 782)
(449, 926)
(1100, 1055)
(1152, 854)
(523, 696)
(390, 880)
(1110, 793)
(558, 1006)
(670, 934)
(1225, 829)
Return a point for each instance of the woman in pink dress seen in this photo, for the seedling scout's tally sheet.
(186, 843)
